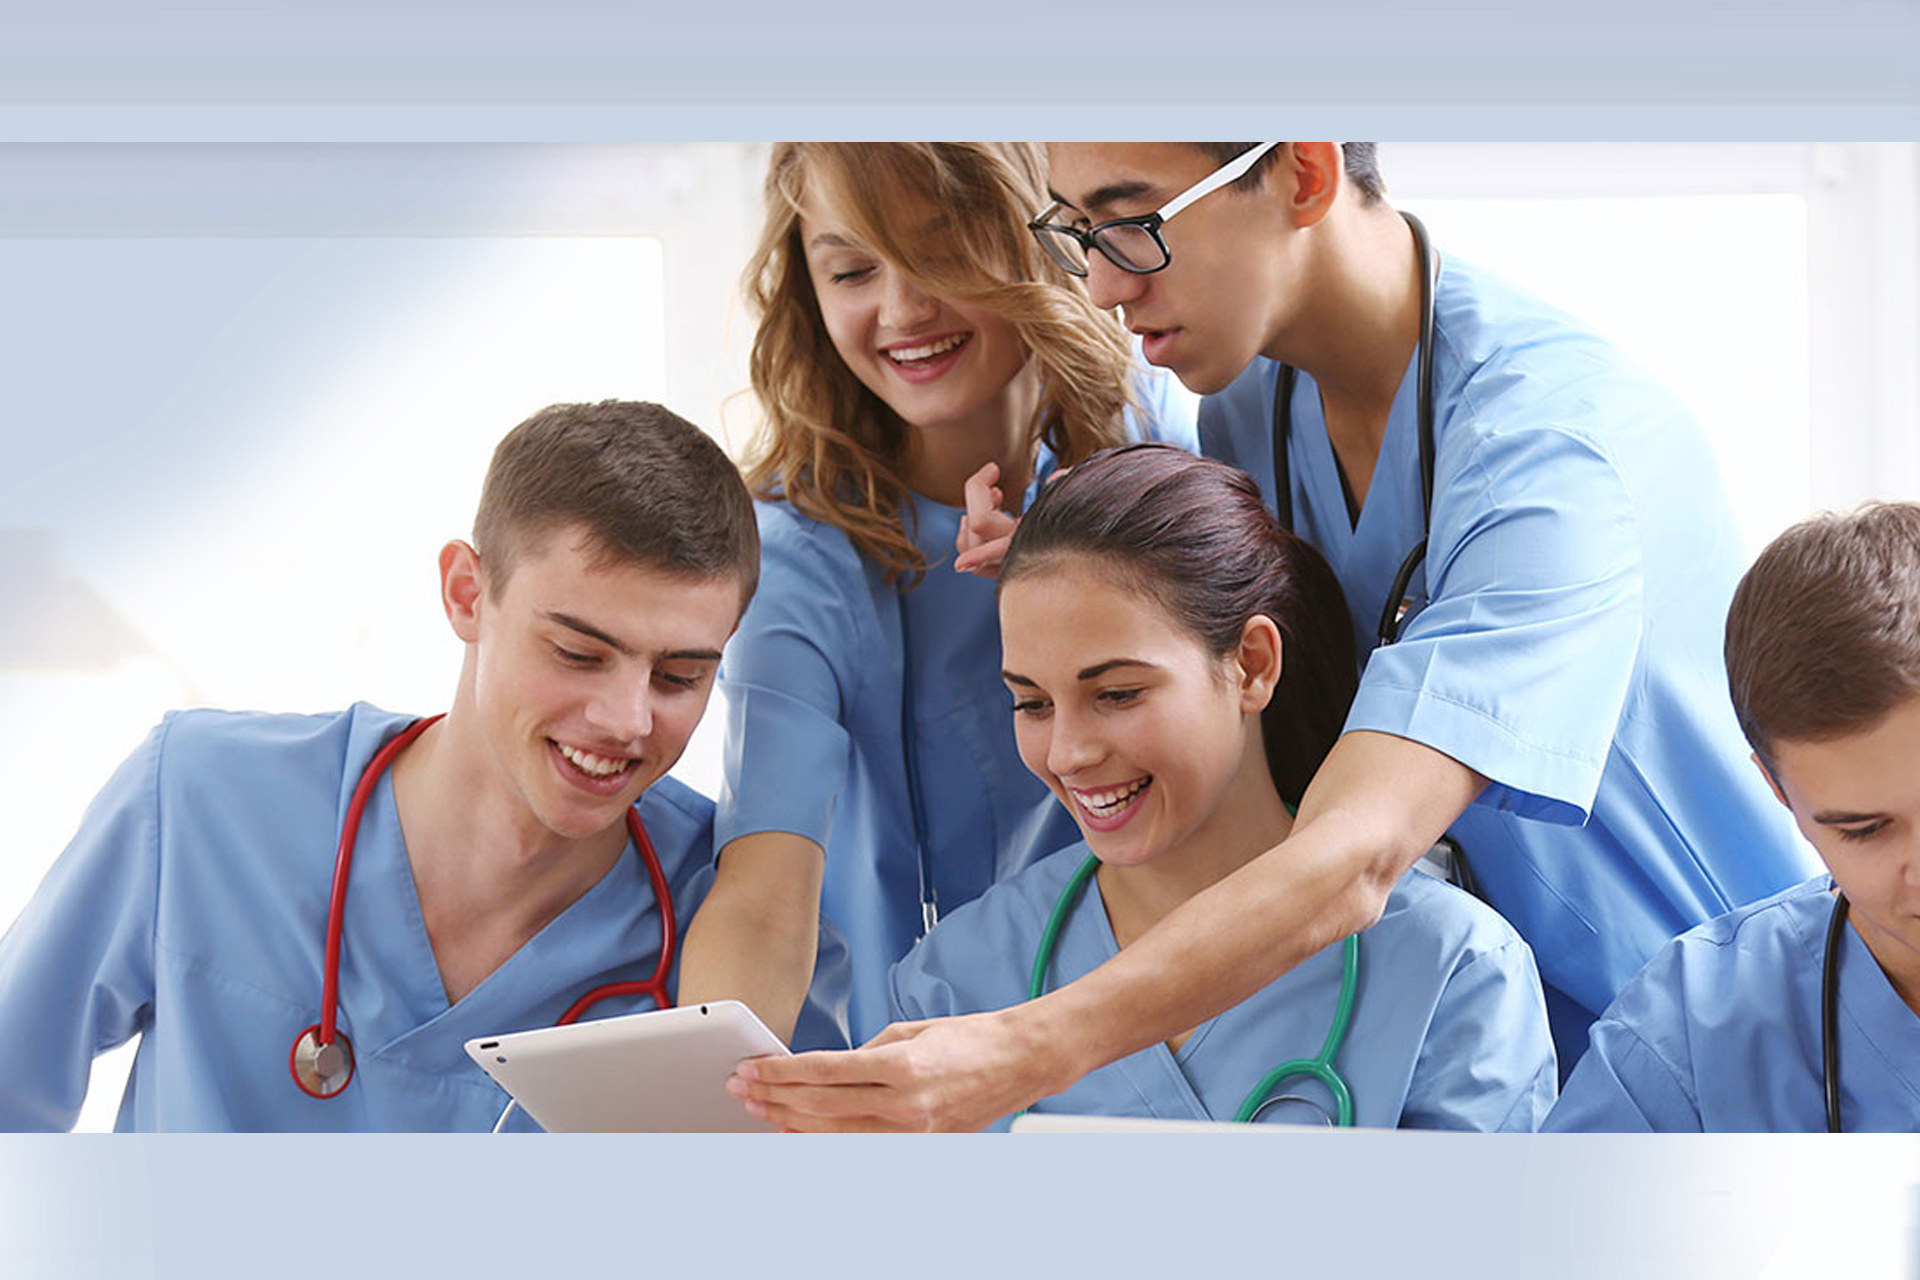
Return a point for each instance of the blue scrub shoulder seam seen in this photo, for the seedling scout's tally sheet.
(1683, 1084)
(163, 734)
(198, 966)
(824, 557)
(1484, 436)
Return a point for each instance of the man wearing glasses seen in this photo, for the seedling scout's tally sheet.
(1536, 549)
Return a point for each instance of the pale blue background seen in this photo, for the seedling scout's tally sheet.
(1436, 1206)
(1683, 52)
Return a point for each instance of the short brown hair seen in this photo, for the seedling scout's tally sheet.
(649, 487)
(1823, 637)
(1358, 160)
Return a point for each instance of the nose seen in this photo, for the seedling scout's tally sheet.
(904, 305)
(1108, 286)
(623, 710)
(1072, 744)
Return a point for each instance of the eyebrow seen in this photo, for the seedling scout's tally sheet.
(1088, 673)
(1103, 197)
(832, 240)
(586, 628)
(1832, 819)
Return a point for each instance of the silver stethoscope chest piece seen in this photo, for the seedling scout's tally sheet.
(322, 1070)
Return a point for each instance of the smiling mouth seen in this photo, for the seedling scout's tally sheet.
(928, 352)
(1110, 802)
(594, 766)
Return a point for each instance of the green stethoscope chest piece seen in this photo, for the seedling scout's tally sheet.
(1320, 1067)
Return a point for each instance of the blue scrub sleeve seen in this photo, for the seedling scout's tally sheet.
(77, 967)
(1622, 1086)
(1487, 1060)
(1168, 412)
(913, 995)
(789, 677)
(1519, 666)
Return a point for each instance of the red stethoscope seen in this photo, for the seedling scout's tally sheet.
(322, 1057)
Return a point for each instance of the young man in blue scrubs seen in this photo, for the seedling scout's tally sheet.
(1723, 1030)
(494, 879)
(1553, 697)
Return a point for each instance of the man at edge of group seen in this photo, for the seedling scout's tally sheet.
(1722, 1031)
(1553, 699)
(494, 880)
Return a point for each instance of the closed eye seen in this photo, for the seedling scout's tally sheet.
(1119, 697)
(846, 277)
(574, 658)
(1867, 832)
(1030, 707)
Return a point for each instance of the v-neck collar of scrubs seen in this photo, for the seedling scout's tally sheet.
(392, 998)
(1874, 1017)
(1313, 453)
(1393, 517)
(1158, 1060)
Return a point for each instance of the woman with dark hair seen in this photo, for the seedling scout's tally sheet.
(1179, 667)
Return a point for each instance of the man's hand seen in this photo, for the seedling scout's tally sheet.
(943, 1075)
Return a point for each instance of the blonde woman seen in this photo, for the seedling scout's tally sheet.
(910, 334)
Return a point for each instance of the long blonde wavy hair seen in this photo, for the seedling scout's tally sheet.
(825, 443)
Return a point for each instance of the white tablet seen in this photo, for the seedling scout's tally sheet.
(660, 1072)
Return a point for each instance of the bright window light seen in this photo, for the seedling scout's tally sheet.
(1707, 293)
(233, 463)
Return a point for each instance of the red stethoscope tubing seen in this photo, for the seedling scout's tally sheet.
(654, 986)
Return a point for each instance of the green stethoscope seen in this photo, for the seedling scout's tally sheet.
(1319, 1068)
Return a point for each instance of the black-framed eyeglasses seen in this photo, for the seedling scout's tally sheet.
(1133, 244)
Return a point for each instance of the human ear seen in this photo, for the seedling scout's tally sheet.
(1259, 661)
(461, 588)
(1773, 783)
(1316, 172)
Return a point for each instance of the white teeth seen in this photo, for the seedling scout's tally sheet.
(1106, 803)
(587, 762)
(901, 355)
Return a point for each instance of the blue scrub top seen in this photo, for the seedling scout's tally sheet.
(828, 664)
(1449, 1030)
(191, 910)
(1566, 634)
(1721, 1034)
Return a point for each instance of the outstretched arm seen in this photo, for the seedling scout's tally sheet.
(1377, 804)
(755, 935)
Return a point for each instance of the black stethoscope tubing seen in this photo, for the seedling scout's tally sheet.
(1393, 614)
(910, 760)
(1830, 1012)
